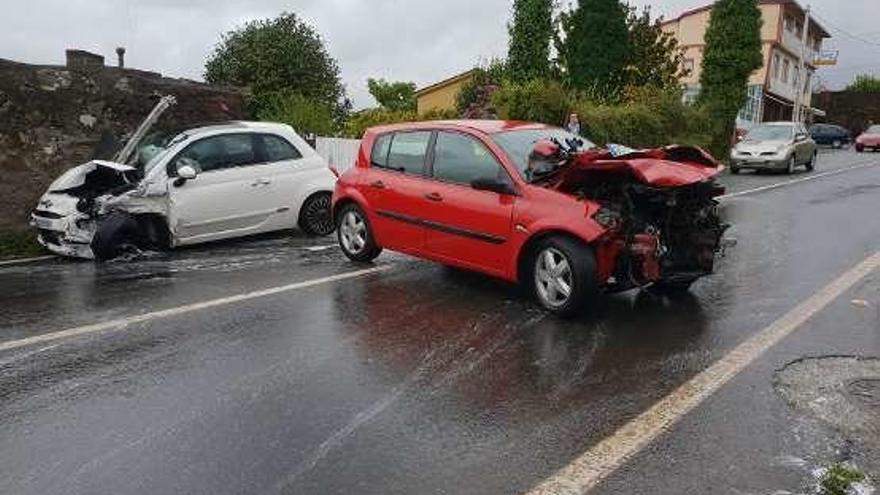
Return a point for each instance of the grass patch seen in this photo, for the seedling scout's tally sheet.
(838, 480)
(19, 243)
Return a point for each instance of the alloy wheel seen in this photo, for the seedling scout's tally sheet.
(353, 232)
(318, 216)
(553, 277)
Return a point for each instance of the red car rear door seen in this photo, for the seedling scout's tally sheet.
(464, 225)
(395, 189)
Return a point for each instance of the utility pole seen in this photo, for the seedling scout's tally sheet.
(797, 113)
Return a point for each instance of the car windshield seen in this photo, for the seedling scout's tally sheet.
(769, 133)
(154, 147)
(519, 144)
(874, 129)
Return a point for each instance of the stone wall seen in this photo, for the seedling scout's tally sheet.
(54, 117)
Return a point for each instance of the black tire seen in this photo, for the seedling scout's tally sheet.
(581, 278)
(859, 148)
(364, 249)
(117, 234)
(315, 216)
(837, 144)
(811, 165)
(734, 170)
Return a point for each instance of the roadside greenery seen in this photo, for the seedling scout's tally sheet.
(306, 115)
(276, 58)
(865, 83)
(733, 52)
(838, 480)
(19, 243)
(360, 121)
(531, 31)
(393, 96)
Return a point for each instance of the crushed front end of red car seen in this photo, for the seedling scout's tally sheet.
(659, 207)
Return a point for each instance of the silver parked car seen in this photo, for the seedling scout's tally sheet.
(775, 146)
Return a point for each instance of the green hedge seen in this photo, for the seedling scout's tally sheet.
(644, 118)
(363, 120)
(19, 243)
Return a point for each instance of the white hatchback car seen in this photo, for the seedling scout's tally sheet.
(205, 184)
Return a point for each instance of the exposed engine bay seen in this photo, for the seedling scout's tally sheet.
(659, 208)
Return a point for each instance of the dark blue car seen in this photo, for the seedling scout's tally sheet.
(831, 135)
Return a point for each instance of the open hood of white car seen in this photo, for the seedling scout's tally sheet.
(77, 176)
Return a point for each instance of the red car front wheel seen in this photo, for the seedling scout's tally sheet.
(563, 275)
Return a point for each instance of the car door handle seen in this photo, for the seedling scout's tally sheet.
(261, 182)
(378, 184)
(434, 197)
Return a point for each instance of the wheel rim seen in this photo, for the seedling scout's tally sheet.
(553, 277)
(317, 215)
(353, 232)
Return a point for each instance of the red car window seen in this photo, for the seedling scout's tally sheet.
(408, 152)
(462, 159)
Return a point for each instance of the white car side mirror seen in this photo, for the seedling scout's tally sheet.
(187, 172)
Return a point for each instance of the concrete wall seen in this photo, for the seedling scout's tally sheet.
(54, 117)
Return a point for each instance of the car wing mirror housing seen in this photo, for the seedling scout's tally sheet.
(187, 170)
(494, 185)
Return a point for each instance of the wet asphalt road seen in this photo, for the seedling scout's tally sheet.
(420, 379)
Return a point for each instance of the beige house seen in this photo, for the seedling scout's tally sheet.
(772, 90)
(442, 95)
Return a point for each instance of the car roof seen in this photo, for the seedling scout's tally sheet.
(233, 125)
(485, 126)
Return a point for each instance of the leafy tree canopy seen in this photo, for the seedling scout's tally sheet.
(733, 52)
(655, 59)
(530, 32)
(865, 83)
(280, 54)
(394, 96)
(594, 45)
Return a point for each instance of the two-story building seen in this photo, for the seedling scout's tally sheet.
(773, 88)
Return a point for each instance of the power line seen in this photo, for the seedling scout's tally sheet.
(845, 32)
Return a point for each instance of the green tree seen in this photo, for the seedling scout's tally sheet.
(655, 59)
(733, 52)
(280, 54)
(394, 96)
(306, 115)
(594, 46)
(865, 83)
(531, 31)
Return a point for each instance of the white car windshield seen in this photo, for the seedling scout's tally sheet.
(874, 129)
(154, 148)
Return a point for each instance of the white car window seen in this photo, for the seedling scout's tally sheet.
(220, 152)
(279, 149)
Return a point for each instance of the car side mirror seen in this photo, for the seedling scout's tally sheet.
(493, 185)
(800, 137)
(187, 172)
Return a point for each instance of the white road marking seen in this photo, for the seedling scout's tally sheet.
(22, 261)
(798, 181)
(165, 313)
(593, 466)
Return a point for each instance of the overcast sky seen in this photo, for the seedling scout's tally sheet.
(414, 40)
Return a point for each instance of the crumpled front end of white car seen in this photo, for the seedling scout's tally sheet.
(66, 215)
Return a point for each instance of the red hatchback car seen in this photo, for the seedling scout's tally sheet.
(869, 139)
(533, 204)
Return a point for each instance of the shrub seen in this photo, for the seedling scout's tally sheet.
(19, 243)
(535, 101)
(363, 120)
(304, 114)
(865, 83)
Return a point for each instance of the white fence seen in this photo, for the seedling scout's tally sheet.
(341, 153)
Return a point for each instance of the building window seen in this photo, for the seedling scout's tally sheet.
(776, 68)
(688, 66)
(797, 78)
(752, 110)
(786, 67)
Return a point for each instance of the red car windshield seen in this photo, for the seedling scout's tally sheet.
(519, 144)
